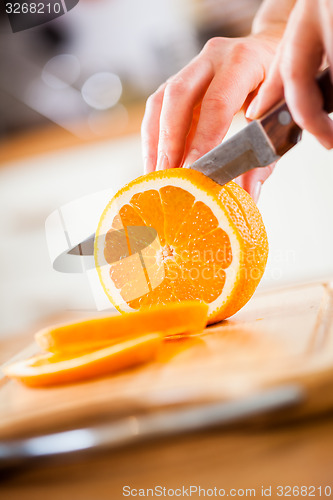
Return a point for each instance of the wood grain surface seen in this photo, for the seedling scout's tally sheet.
(246, 458)
(280, 336)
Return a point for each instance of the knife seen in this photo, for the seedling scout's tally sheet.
(260, 143)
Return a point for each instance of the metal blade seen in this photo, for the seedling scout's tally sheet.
(84, 248)
(248, 149)
(139, 238)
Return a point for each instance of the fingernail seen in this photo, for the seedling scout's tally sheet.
(251, 111)
(148, 165)
(162, 162)
(255, 193)
(326, 143)
(191, 158)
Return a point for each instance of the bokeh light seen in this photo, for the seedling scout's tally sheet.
(61, 71)
(102, 90)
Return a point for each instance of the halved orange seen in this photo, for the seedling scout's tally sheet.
(177, 235)
(171, 319)
(53, 369)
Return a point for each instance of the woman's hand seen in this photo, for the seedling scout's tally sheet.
(306, 44)
(191, 113)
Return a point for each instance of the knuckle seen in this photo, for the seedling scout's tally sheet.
(164, 135)
(304, 121)
(288, 73)
(152, 99)
(177, 79)
(242, 51)
(289, 69)
(156, 97)
(214, 44)
(176, 87)
(216, 102)
(209, 139)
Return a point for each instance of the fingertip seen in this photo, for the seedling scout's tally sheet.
(327, 143)
(191, 158)
(260, 104)
(251, 112)
(269, 93)
(148, 165)
(253, 180)
(240, 181)
(162, 162)
(255, 191)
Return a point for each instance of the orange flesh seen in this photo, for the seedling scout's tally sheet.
(173, 319)
(189, 257)
(53, 369)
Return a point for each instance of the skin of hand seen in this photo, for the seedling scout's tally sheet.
(307, 43)
(191, 113)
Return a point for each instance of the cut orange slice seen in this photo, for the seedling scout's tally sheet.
(171, 319)
(177, 235)
(53, 369)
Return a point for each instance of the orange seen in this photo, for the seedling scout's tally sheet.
(52, 369)
(177, 235)
(171, 319)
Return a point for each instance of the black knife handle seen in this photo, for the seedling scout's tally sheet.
(279, 125)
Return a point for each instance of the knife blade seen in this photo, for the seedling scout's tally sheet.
(260, 143)
(248, 149)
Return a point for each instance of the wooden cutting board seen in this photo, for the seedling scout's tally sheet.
(279, 337)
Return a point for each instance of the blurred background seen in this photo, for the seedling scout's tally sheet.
(72, 96)
(89, 66)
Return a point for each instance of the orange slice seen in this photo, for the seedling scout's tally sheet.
(53, 369)
(177, 235)
(171, 319)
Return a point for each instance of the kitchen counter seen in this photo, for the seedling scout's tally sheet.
(237, 457)
(286, 448)
(248, 456)
(245, 456)
(298, 454)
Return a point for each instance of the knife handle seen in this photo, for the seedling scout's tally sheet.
(283, 132)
